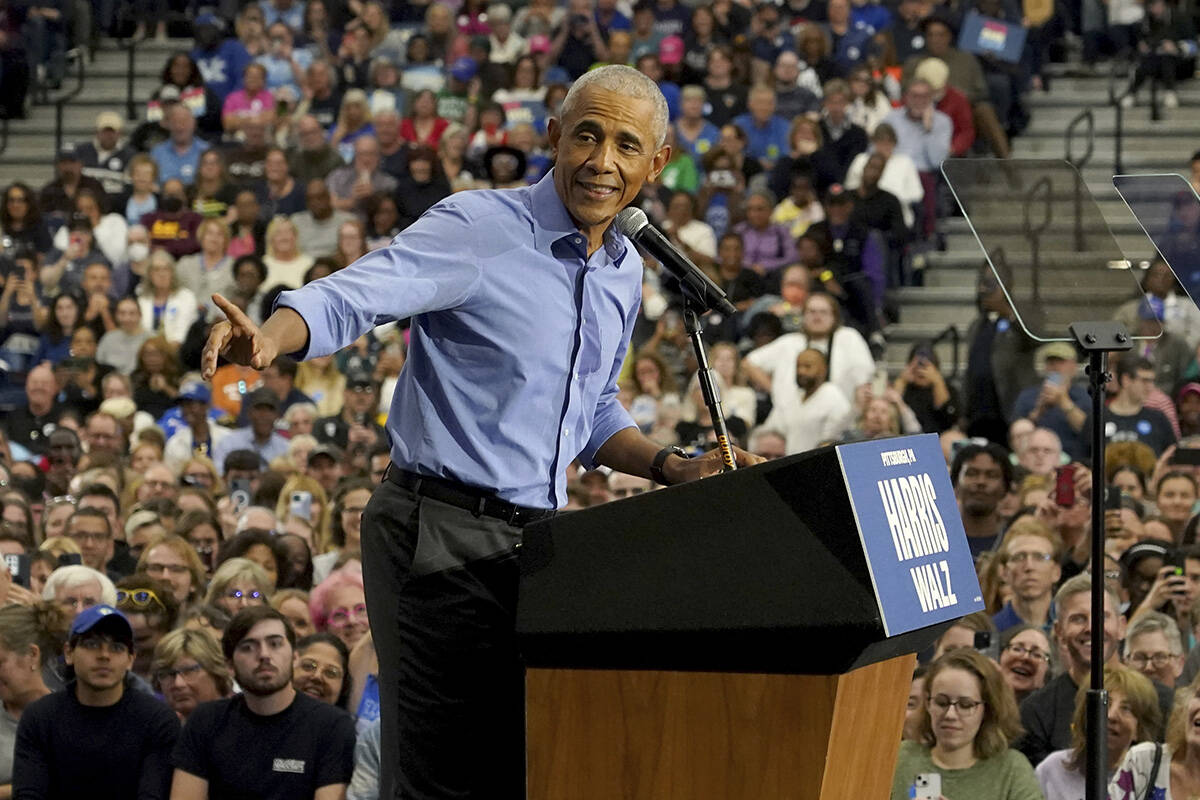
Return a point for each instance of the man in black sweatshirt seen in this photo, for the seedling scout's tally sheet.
(98, 737)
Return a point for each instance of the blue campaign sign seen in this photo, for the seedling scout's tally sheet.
(911, 531)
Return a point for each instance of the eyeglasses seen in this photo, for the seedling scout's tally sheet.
(341, 616)
(1030, 556)
(84, 536)
(238, 594)
(1159, 660)
(1032, 652)
(140, 598)
(168, 675)
(174, 569)
(627, 492)
(310, 667)
(965, 705)
(363, 389)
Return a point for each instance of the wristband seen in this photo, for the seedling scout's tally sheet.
(661, 458)
(826, 275)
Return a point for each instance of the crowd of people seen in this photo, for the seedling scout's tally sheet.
(172, 540)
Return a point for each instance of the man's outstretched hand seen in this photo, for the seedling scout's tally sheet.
(238, 340)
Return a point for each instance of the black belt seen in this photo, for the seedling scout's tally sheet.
(477, 501)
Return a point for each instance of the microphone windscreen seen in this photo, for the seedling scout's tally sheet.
(631, 220)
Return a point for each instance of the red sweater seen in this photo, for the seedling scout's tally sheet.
(955, 105)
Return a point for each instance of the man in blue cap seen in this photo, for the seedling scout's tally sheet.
(98, 734)
(196, 436)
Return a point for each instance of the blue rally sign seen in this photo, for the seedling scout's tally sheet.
(911, 531)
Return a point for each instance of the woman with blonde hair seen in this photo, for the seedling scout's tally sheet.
(188, 669)
(293, 604)
(210, 270)
(319, 510)
(299, 447)
(320, 379)
(285, 263)
(31, 638)
(200, 471)
(167, 307)
(1133, 716)
(1169, 770)
(966, 726)
(353, 121)
(238, 583)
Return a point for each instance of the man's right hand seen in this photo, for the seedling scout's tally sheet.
(238, 340)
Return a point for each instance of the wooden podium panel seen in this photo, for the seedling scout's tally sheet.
(644, 735)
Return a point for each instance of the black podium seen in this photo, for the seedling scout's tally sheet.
(715, 639)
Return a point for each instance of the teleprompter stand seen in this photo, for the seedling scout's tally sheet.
(1057, 262)
(1097, 340)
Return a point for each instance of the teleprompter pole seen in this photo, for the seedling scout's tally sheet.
(1098, 339)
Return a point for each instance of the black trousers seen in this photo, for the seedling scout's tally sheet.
(441, 589)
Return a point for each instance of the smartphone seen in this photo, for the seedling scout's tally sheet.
(983, 641)
(1064, 486)
(70, 559)
(926, 786)
(239, 492)
(1177, 560)
(1186, 455)
(1112, 498)
(300, 505)
(1054, 378)
(18, 567)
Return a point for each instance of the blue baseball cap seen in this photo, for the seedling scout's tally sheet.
(103, 619)
(463, 69)
(195, 390)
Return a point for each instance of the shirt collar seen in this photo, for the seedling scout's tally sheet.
(551, 221)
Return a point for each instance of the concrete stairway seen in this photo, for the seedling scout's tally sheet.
(1165, 146)
(30, 152)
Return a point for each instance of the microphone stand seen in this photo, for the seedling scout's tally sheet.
(708, 385)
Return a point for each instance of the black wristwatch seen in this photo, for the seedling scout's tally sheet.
(656, 467)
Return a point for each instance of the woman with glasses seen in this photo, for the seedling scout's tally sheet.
(339, 606)
(968, 722)
(238, 583)
(345, 526)
(1133, 716)
(1025, 659)
(321, 668)
(171, 559)
(31, 638)
(188, 669)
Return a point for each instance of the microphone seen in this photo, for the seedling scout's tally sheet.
(696, 285)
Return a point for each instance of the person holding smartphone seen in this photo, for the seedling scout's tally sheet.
(965, 728)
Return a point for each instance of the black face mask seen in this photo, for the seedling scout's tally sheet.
(207, 37)
(172, 204)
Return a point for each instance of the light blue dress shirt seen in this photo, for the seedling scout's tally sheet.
(517, 338)
(243, 439)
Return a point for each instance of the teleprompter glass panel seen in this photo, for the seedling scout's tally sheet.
(1168, 210)
(1046, 242)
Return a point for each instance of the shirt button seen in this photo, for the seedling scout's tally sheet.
(566, 431)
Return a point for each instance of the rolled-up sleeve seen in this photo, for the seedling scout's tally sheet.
(431, 266)
(610, 415)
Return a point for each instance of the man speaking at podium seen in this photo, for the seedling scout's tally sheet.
(523, 302)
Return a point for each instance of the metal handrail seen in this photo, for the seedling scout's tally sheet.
(1083, 116)
(950, 332)
(130, 105)
(61, 101)
(1114, 100)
